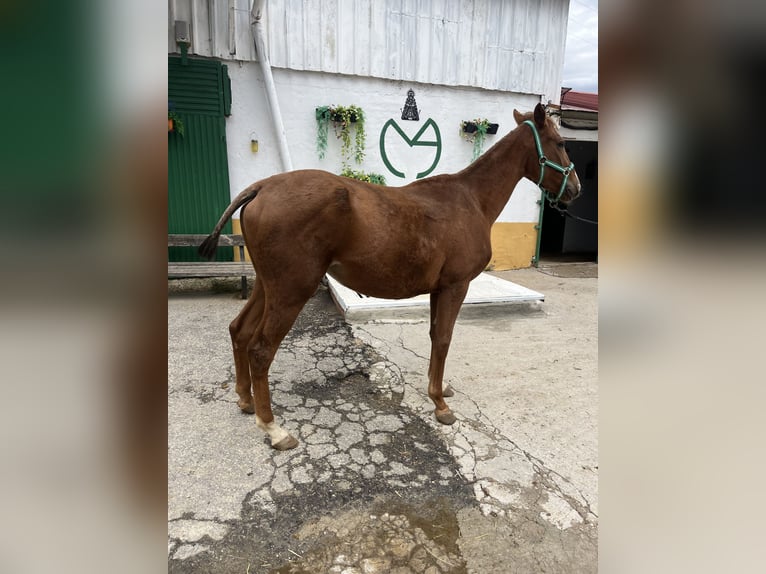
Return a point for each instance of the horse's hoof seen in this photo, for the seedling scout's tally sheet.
(448, 392)
(247, 407)
(286, 443)
(446, 417)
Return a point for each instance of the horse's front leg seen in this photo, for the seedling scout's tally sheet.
(445, 306)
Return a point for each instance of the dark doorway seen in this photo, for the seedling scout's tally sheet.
(566, 238)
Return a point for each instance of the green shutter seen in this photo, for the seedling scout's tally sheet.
(198, 174)
(196, 87)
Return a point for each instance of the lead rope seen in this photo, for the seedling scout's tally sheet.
(567, 214)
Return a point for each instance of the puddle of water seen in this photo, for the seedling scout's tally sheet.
(391, 536)
(437, 520)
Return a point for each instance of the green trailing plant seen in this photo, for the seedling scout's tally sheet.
(362, 176)
(323, 121)
(342, 118)
(178, 125)
(476, 132)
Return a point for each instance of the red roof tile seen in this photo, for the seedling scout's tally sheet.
(583, 100)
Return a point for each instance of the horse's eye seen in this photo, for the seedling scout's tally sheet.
(560, 145)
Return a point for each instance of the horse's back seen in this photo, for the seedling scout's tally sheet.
(298, 197)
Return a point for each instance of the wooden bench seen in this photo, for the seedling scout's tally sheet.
(241, 268)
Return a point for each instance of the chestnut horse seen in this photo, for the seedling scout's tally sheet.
(431, 236)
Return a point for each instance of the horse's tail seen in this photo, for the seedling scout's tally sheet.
(208, 247)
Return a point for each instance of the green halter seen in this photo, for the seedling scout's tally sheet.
(544, 161)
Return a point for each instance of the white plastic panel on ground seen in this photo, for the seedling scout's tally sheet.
(485, 289)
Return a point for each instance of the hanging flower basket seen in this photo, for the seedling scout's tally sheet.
(470, 127)
(342, 117)
(477, 130)
(175, 124)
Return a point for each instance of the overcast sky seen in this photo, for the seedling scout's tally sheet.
(581, 57)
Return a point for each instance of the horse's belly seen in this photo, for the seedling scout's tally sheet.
(375, 281)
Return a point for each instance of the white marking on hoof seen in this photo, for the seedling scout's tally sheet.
(276, 432)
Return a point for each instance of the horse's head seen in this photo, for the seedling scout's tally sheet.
(548, 163)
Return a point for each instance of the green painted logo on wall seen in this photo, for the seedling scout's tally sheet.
(415, 141)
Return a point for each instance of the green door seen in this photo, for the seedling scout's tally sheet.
(198, 174)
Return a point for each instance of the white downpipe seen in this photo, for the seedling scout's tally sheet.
(271, 91)
(232, 27)
(212, 20)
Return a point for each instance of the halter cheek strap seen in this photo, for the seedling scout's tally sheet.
(544, 161)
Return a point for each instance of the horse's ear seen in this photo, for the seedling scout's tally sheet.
(517, 116)
(539, 116)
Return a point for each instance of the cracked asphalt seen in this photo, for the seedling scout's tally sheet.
(376, 485)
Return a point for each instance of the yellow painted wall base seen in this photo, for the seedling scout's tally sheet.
(513, 245)
(236, 229)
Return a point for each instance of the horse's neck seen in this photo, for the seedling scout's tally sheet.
(494, 175)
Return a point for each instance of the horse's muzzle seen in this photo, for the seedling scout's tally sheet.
(572, 191)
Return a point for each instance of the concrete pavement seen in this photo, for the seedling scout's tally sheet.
(376, 484)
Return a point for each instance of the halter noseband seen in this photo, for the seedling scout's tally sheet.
(544, 161)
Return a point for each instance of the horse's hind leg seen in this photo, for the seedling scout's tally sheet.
(241, 330)
(282, 306)
(445, 306)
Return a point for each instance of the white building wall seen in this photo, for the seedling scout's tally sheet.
(579, 135)
(301, 92)
(508, 45)
(464, 59)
